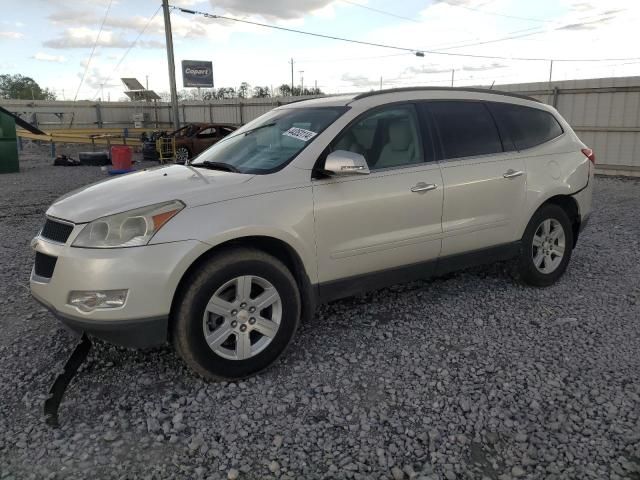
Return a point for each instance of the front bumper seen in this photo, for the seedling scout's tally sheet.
(136, 333)
(151, 275)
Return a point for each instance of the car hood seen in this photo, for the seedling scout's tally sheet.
(194, 186)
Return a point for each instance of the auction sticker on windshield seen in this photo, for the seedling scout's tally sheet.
(300, 134)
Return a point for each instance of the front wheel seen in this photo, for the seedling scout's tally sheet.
(238, 315)
(546, 247)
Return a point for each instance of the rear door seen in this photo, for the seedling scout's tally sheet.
(388, 219)
(484, 185)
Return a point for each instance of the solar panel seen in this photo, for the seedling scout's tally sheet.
(132, 83)
(142, 95)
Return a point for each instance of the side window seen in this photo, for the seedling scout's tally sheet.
(526, 126)
(386, 138)
(465, 128)
(207, 133)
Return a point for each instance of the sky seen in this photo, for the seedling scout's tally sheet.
(52, 40)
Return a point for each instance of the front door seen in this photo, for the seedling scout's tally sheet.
(203, 140)
(388, 219)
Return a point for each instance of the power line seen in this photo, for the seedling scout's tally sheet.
(515, 35)
(497, 14)
(95, 44)
(382, 12)
(115, 69)
(345, 59)
(293, 30)
(418, 52)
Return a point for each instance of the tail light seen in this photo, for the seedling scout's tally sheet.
(589, 154)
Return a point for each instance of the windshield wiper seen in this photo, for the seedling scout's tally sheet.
(259, 128)
(216, 166)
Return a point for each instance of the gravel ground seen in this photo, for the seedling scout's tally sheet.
(468, 376)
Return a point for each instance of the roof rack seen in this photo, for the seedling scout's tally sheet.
(453, 89)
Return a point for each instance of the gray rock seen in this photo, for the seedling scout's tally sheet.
(544, 379)
(233, 474)
(397, 474)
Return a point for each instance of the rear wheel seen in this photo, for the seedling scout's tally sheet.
(546, 247)
(238, 316)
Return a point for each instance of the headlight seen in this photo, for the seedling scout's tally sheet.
(127, 229)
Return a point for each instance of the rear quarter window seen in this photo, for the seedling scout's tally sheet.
(527, 127)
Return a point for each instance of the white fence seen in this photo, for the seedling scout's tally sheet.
(53, 115)
(604, 112)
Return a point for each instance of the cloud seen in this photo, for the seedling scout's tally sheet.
(359, 80)
(11, 35)
(45, 57)
(183, 26)
(482, 68)
(83, 37)
(274, 9)
(425, 70)
(589, 25)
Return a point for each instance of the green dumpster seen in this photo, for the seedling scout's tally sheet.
(8, 144)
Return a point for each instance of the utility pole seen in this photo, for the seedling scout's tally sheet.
(453, 73)
(550, 70)
(380, 83)
(172, 64)
(301, 82)
(292, 77)
(147, 82)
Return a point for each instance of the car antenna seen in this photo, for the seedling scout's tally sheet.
(492, 84)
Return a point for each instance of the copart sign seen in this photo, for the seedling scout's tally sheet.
(196, 73)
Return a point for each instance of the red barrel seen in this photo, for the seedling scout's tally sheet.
(121, 157)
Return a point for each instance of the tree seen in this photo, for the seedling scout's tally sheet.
(285, 90)
(25, 88)
(261, 92)
(223, 93)
(243, 90)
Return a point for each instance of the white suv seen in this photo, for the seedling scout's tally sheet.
(311, 202)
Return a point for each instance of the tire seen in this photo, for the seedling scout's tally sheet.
(539, 264)
(214, 304)
(182, 155)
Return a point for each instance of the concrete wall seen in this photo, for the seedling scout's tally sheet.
(604, 112)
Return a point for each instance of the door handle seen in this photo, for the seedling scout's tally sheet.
(423, 187)
(511, 173)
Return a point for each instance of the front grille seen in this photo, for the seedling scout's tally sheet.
(45, 264)
(56, 231)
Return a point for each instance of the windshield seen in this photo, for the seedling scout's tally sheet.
(271, 141)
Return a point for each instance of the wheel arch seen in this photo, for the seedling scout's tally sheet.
(270, 245)
(570, 206)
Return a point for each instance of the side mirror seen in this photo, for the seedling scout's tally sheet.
(342, 162)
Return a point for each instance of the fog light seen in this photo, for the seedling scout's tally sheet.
(90, 300)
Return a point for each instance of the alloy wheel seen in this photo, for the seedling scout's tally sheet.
(242, 317)
(182, 154)
(548, 246)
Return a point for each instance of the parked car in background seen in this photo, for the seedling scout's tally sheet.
(311, 202)
(191, 140)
